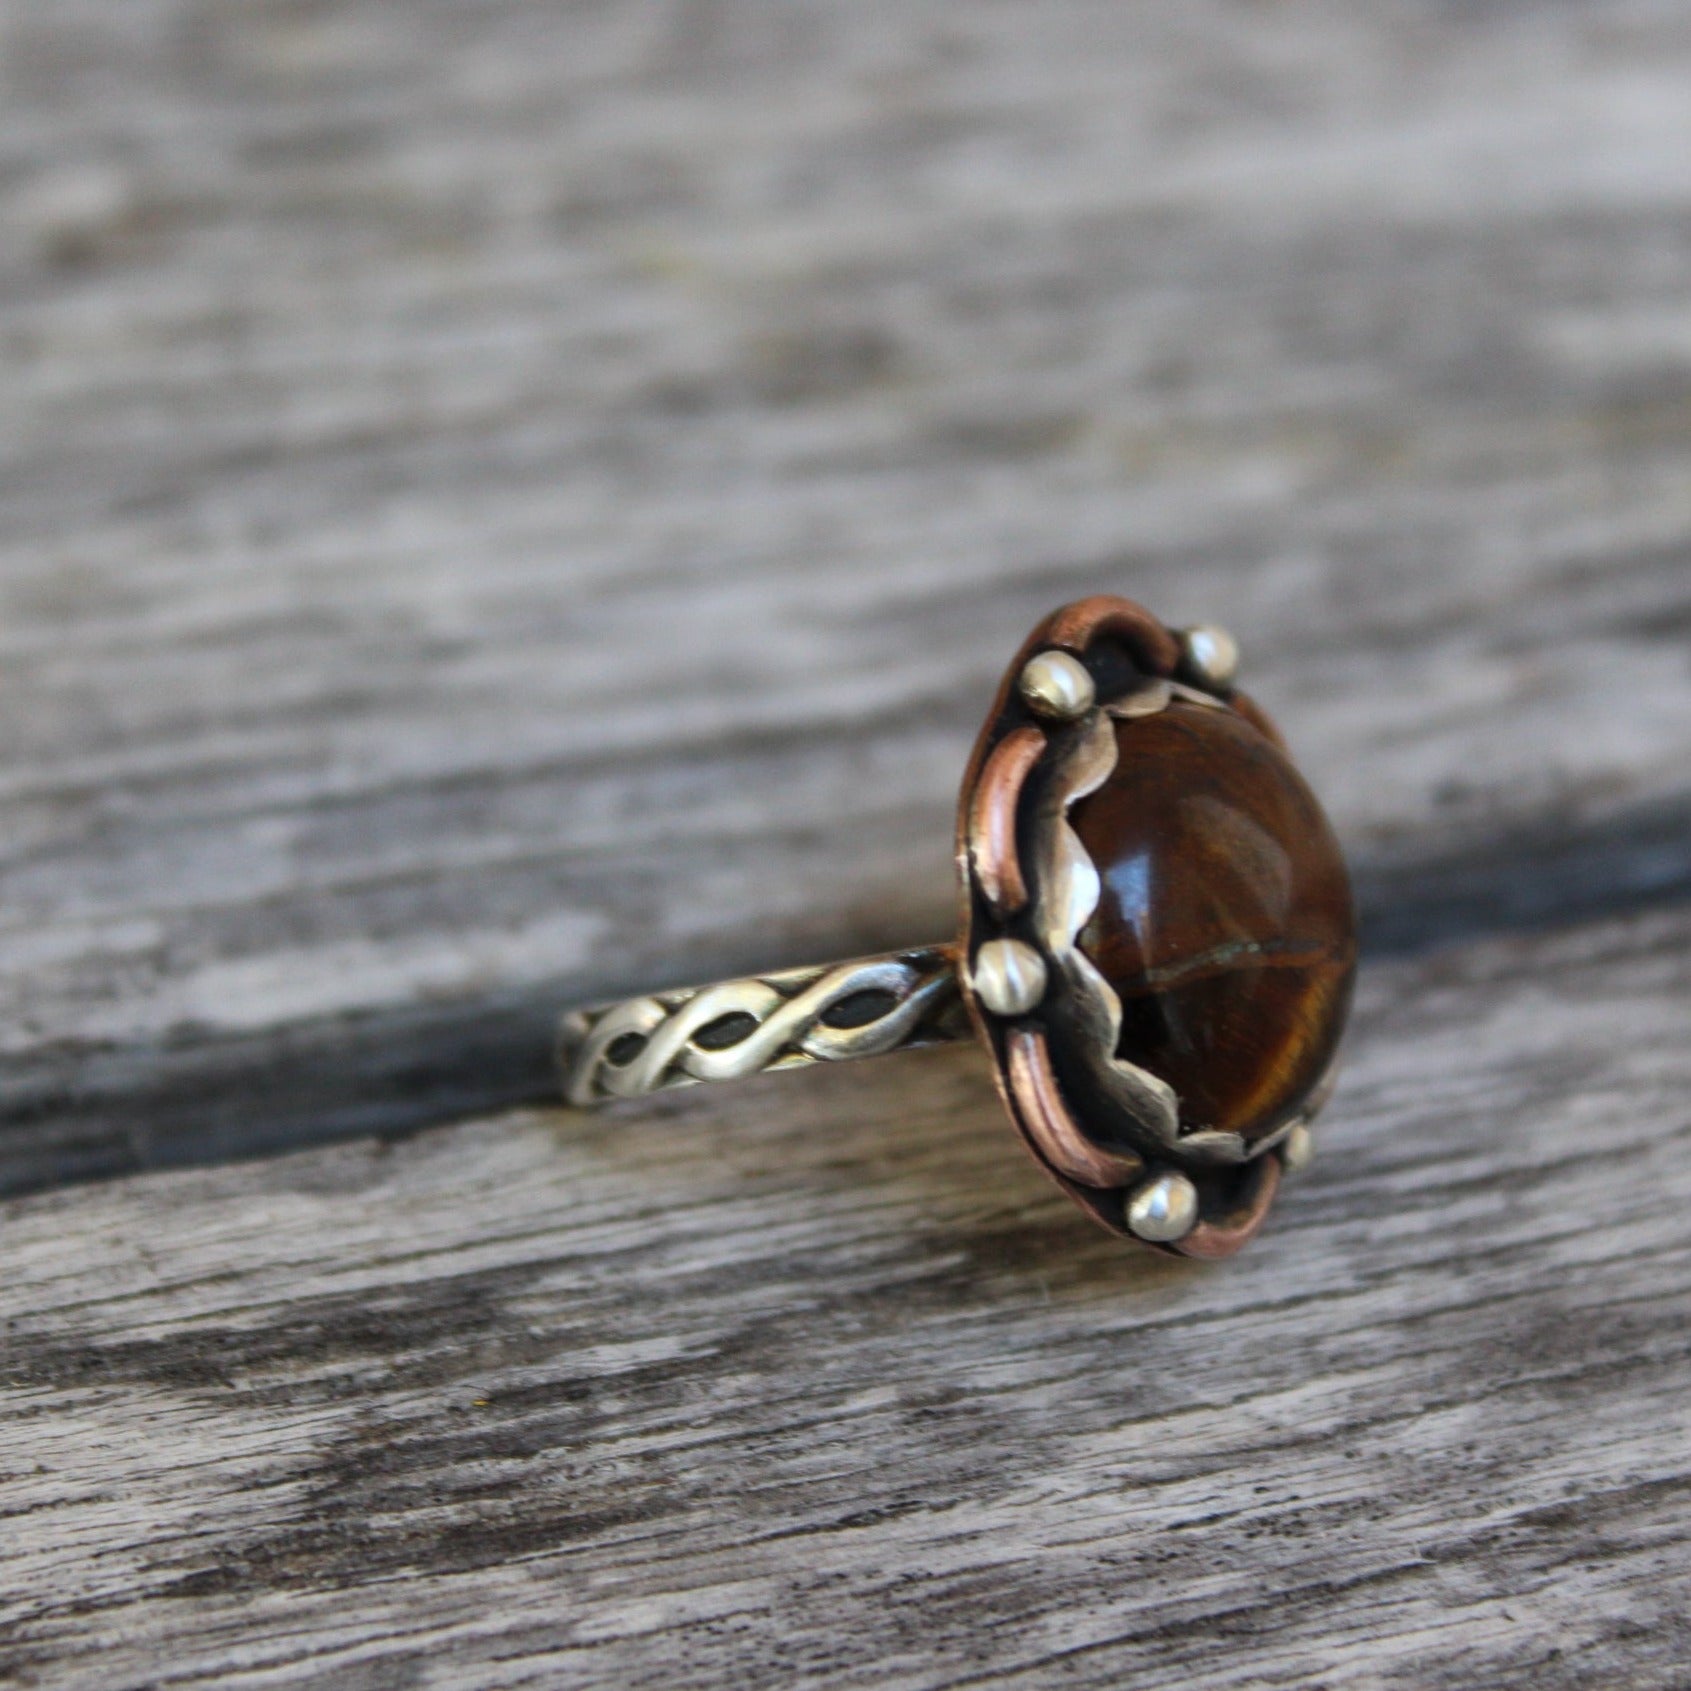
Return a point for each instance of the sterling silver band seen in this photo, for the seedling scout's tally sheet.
(791, 1018)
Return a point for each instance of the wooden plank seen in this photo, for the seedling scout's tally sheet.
(504, 503)
(826, 1385)
(510, 505)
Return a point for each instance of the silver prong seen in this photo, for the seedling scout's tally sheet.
(1212, 656)
(1164, 1209)
(1058, 687)
(1297, 1150)
(1145, 700)
(1010, 977)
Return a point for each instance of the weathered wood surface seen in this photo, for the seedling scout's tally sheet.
(826, 1386)
(507, 503)
(504, 502)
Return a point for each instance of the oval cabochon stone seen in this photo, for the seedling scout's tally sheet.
(1227, 924)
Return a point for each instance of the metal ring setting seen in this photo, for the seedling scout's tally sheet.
(1110, 1130)
(1030, 889)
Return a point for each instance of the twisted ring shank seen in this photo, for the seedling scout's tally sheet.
(787, 1019)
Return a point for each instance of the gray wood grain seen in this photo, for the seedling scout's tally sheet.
(512, 502)
(509, 504)
(827, 1386)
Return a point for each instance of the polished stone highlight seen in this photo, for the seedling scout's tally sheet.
(1227, 925)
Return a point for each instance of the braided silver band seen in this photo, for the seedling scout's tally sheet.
(789, 1019)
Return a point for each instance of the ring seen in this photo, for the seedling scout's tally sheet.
(1157, 946)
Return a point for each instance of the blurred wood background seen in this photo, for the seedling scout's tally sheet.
(510, 502)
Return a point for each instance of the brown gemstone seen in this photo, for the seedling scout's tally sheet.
(1227, 925)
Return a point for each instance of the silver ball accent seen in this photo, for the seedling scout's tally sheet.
(1212, 656)
(1010, 977)
(1297, 1150)
(1058, 686)
(1164, 1209)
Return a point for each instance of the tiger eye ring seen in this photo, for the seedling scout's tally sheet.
(1157, 946)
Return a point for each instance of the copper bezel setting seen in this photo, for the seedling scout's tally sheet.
(1107, 1131)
